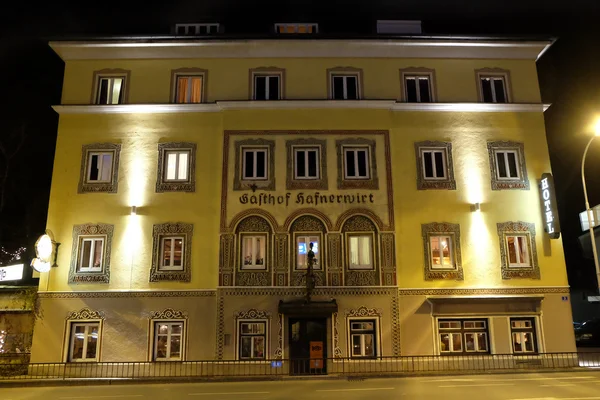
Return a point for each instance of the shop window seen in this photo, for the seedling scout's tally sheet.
(363, 338)
(252, 340)
(523, 335)
(168, 340)
(84, 341)
(463, 336)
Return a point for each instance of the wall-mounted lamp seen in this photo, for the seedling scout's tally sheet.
(46, 251)
(133, 210)
(476, 207)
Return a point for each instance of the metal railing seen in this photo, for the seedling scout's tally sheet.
(278, 368)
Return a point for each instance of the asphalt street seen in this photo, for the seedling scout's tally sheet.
(547, 386)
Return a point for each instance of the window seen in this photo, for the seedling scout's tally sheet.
(267, 87)
(176, 167)
(356, 163)
(189, 89)
(110, 90)
(303, 246)
(463, 336)
(196, 29)
(518, 255)
(360, 252)
(100, 165)
(168, 341)
(296, 28)
(507, 164)
(493, 89)
(441, 242)
(418, 89)
(254, 163)
(344, 87)
(363, 338)
(252, 340)
(253, 252)
(90, 254)
(441, 252)
(99, 168)
(171, 253)
(306, 163)
(434, 163)
(84, 341)
(523, 335)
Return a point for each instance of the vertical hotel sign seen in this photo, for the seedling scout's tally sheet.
(549, 212)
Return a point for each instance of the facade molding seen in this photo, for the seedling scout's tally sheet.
(485, 291)
(124, 294)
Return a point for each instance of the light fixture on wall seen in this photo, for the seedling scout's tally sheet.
(133, 210)
(476, 207)
(46, 251)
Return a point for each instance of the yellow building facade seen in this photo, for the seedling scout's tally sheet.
(192, 176)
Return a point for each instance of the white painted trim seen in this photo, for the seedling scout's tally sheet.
(296, 104)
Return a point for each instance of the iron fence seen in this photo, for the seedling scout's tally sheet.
(18, 370)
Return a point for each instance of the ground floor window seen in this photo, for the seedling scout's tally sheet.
(363, 338)
(463, 336)
(168, 340)
(252, 336)
(83, 344)
(523, 335)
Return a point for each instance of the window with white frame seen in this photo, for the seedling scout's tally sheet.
(254, 252)
(254, 163)
(189, 89)
(303, 246)
(252, 339)
(100, 167)
(523, 335)
(518, 251)
(344, 87)
(360, 252)
(434, 163)
(417, 88)
(176, 165)
(90, 254)
(441, 252)
(296, 28)
(507, 164)
(493, 89)
(363, 338)
(463, 336)
(306, 163)
(267, 87)
(171, 253)
(356, 163)
(83, 343)
(168, 340)
(110, 90)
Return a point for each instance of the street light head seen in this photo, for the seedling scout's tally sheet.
(597, 128)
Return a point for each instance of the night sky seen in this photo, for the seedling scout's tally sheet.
(32, 78)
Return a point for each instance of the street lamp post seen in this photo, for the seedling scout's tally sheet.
(587, 207)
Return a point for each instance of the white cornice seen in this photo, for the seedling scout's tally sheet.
(390, 105)
(383, 48)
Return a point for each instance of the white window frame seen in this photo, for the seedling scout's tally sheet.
(90, 238)
(155, 336)
(296, 26)
(111, 84)
(462, 331)
(355, 150)
(239, 336)
(417, 78)
(517, 250)
(345, 76)
(255, 150)
(171, 267)
(504, 153)
(433, 151)
(492, 78)
(376, 337)
(71, 340)
(188, 95)
(196, 28)
(450, 242)
(100, 154)
(306, 149)
(178, 154)
(254, 266)
(528, 330)
(308, 236)
(267, 75)
(361, 267)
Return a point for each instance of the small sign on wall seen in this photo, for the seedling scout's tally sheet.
(316, 354)
(549, 211)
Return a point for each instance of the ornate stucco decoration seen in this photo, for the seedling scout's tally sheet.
(253, 313)
(168, 313)
(363, 311)
(104, 231)
(85, 314)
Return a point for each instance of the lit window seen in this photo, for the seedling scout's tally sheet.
(84, 341)
(418, 89)
(344, 87)
(356, 163)
(434, 163)
(507, 164)
(267, 87)
(110, 90)
(463, 336)
(177, 165)
(360, 252)
(252, 340)
(168, 340)
(303, 245)
(296, 28)
(90, 254)
(441, 252)
(523, 335)
(306, 163)
(253, 252)
(518, 253)
(254, 164)
(493, 89)
(99, 168)
(171, 253)
(189, 89)
(363, 338)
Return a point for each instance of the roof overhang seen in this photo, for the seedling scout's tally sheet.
(460, 48)
(485, 305)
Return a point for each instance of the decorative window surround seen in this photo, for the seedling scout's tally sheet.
(518, 228)
(367, 315)
(168, 316)
(95, 230)
(321, 182)
(494, 72)
(266, 72)
(263, 184)
(111, 73)
(361, 225)
(253, 225)
(423, 183)
(99, 187)
(307, 225)
(370, 183)
(503, 183)
(418, 72)
(446, 229)
(253, 316)
(187, 185)
(84, 320)
(178, 229)
(189, 72)
(345, 71)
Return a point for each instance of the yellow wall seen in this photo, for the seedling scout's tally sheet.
(228, 79)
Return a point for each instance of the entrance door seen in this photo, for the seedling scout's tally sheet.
(308, 346)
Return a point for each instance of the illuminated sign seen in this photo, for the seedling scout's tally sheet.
(45, 250)
(11, 273)
(314, 199)
(549, 213)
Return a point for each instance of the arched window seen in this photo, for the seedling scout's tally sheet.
(303, 231)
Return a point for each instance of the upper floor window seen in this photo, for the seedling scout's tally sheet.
(254, 252)
(189, 89)
(110, 90)
(303, 246)
(518, 252)
(254, 163)
(306, 163)
(267, 83)
(493, 85)
(91, 253)
(441, 251)
(441, 241)
(196, 29)
(176, 172)
(356, 163)
(296, 28)
(360, 251)
(171, 253)
(417, 85)
(344, 87)
(171, 244)
(507, 164)
(434, 163)
(99, 168)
